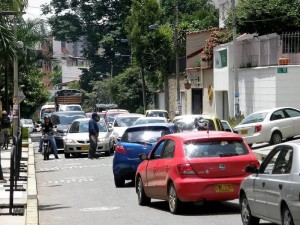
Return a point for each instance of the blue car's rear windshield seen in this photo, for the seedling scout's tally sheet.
(145, 134)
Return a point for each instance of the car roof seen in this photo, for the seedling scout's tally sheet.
(213, 135)
(152, 118)
(68, 112)
(156, 110)
(167, 125)
(272, 110)
(129, 115)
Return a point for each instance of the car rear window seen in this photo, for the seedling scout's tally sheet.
(66, 118)
(145, 135)
(254, 118)
(215, 149)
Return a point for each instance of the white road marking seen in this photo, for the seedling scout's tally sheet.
(99, 209)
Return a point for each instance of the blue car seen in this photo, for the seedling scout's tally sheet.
(136, 140)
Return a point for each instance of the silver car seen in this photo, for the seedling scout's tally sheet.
(271, 125)
(272, 192)
(77, 142)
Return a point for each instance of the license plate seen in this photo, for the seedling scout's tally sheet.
(223, 188)
(244, 131)
(85, 147)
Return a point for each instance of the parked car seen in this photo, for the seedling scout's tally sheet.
(157, 113)
(272, 192)
(136, 140)
(187, 122)
(270, 125)
(27, 123)
(63, 120)
(122, 121)
(77, 139)
(193, 167)
(145, 120)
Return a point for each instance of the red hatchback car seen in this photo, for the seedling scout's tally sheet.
(193, 167)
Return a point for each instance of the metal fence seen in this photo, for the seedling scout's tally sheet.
(270, 50)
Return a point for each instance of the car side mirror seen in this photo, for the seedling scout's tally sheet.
(251, 169)
(143, 156)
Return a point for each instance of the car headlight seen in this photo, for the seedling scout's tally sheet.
(101, 139)
(70, 141)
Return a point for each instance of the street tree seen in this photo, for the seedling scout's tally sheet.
(264, 17)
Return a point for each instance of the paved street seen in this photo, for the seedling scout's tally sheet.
(81, 191)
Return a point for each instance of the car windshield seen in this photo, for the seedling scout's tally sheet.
(145, 120)
(125, 121)
(70, 108)
(26, 121)
(65, 118)
(158, 114)
(186, 124)
(141, 135)
(214, 149)
(83, 126)
(254, 118)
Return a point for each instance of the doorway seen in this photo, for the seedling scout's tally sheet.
(197, 101)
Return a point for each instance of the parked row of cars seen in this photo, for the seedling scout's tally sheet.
(212, 165)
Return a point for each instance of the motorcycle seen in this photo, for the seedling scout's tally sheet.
(46, 146)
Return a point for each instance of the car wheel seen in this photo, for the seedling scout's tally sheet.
(276, 138)
(67, 155)
(174, 202)
(286, 216)
(119, 181)
(246, 214)
(142, 198)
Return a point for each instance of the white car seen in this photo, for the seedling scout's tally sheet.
(271, 125)
(77, 142)
(272, 192)
(145, 120)
(27, 123)
(123, 121)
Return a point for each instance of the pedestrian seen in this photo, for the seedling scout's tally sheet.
(5, 125)
(93, 135)
(47, 127)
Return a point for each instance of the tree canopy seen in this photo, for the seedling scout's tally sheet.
(264, 17)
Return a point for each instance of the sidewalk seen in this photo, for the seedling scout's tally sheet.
(25, 207)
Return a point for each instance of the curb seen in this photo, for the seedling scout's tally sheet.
(31, 215)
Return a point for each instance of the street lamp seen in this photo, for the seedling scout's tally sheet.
(155, 26)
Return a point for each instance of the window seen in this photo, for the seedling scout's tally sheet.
(169, 149)
(292, 112)
(280, 162)
(158, 150)
(277, 115)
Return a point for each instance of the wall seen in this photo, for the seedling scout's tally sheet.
(263, 87)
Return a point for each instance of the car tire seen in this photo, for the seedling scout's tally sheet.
(67, 155)
(119, 182)
(142, 198)
(173, 200)
(246, 214)
(276, 138)
(286, 216)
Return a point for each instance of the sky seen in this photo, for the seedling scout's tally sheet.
(33, 10)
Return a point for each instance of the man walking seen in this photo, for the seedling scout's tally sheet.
(93, 135)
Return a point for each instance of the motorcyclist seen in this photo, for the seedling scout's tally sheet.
(201, 124)
(47, 127)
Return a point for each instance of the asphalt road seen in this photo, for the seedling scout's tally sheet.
(81, 191)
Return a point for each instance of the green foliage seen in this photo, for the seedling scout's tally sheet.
(264, 17)
(127, 90)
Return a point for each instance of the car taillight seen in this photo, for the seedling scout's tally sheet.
(185, 169)
(120, 149)
(258, 128)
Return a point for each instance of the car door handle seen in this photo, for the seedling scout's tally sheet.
(154, 170)
(280, 186)
(167, 168)
(263, 184)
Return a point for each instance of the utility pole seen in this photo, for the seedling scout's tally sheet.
(177, 63)
(235, 64)
(16, 86)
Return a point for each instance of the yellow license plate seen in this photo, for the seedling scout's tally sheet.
(244, 131)
(85, 147)
(224, 188)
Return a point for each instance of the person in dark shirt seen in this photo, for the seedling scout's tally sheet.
(93, 135)
(47, 127)
(5, 125)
